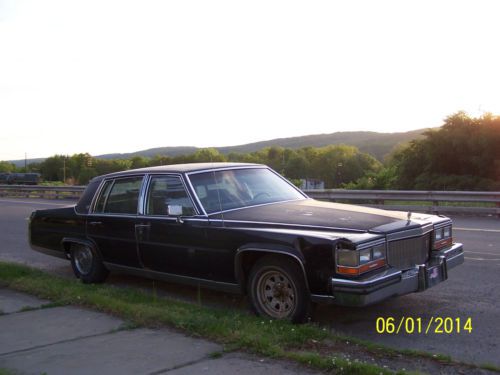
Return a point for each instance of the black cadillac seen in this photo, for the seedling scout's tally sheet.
(243, 228)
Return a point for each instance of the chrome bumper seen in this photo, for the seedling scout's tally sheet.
(394, 282)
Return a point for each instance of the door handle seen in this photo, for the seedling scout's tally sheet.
(95, 223)
(140, 227)
(139, 230)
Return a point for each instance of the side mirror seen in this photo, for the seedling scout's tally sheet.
(175, 210)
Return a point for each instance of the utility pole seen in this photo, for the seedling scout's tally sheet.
(25, 162)
(64, 169)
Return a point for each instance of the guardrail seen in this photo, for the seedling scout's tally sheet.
(38, 191)
(471, 202)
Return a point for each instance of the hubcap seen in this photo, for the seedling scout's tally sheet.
(83, 259)
(277, 294)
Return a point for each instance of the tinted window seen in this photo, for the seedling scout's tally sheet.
(120, 196)
(165, 191)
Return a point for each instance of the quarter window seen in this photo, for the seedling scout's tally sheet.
(167, 191)
(99, 207)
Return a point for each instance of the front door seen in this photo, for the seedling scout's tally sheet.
(178, 245)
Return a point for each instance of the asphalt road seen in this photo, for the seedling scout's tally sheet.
(472, 291)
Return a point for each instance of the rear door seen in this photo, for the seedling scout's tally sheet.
(111, 225)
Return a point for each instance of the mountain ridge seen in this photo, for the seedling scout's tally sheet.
(377, 144)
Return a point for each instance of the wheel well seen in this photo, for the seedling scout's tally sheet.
(248, 259)
(67, 247)
(68, 242)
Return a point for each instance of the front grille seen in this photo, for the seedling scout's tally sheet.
(409, 252)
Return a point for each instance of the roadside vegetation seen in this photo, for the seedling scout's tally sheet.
(308, 344)
(463, 154)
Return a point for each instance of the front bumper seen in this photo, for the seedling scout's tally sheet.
(394, 282)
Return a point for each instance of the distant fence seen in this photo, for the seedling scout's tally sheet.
(471, 202)
(38, 191)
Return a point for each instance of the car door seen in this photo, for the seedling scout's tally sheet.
(177, 245)
(111, 225)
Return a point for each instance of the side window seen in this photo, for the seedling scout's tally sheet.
(165, 191)
(119, 196)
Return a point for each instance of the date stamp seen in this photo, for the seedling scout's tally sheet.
(434, 325)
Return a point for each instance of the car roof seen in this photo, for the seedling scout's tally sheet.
(179, 168)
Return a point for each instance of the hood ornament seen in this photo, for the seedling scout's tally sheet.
(408, 215)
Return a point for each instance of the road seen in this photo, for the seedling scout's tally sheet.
(470, 292)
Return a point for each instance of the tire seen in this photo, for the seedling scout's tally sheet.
(277, 289)
(87, 264)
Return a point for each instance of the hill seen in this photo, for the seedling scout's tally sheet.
(376, 144)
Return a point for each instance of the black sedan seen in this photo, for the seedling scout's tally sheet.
(243, 228)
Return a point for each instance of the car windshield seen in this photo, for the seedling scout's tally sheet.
(237, 188)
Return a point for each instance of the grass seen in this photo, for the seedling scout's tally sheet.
(215, 355)
(306, 344)
(490, 367)
(391, 352)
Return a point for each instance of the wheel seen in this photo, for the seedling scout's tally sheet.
(87, 264)
(277, 289)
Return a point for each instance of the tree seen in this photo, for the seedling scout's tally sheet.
(463, 154)
(6, 167)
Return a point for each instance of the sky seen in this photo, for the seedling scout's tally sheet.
(121, 76)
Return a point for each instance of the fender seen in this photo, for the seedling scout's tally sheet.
(271, 249)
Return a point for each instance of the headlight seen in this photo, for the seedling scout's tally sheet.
(378, 252)
(347, 258)
(365, 256)
(355, 262)
(447, 231)
(439, 234)
(442, 237)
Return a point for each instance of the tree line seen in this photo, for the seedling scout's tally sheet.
(463, 154)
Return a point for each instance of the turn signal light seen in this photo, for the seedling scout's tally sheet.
(354, 271)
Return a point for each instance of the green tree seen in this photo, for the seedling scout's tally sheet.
(207, 155)
(139, 162)
(6, 167)
(463, 154)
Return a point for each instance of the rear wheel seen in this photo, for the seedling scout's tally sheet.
(87, 264)
(277, 289)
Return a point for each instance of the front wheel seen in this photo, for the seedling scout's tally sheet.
(277, 289)
(87, 264)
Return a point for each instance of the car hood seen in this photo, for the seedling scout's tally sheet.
(326, 215)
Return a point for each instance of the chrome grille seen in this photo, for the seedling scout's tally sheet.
(409, 252)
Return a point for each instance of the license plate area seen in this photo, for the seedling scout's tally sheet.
(434, 275)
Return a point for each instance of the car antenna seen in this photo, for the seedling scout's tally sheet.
(217, 188)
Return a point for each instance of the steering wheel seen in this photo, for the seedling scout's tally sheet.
(263, 193)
